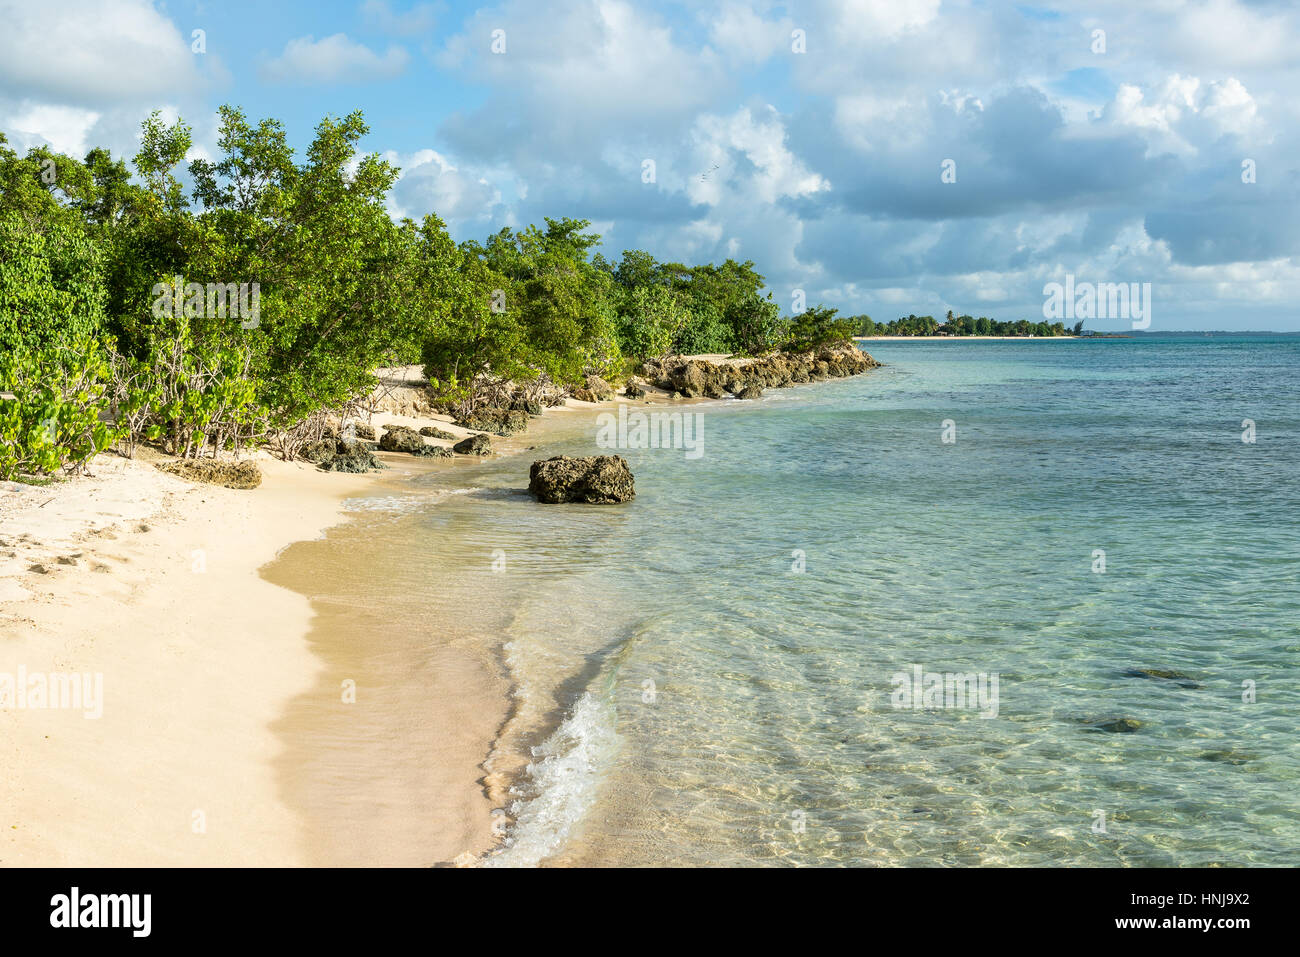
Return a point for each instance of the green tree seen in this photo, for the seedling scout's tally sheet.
(651, 321)
(815, 327)
(51, 283)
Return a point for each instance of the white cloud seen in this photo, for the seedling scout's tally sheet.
(584, 66)
(1226, 33)
(772, 172)
(881, 19)
(333, 59)
(1230, 107)
(64, 129)
(740, 33)
(91, 52)
(430, 183)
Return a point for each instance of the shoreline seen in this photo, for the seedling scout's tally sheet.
(175, 593)
(156, 584)
(974, 338)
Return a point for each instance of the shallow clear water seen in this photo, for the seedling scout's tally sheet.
(770, 734)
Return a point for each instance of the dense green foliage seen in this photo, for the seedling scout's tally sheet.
(242, 307)
(51, 282)
(54, 421)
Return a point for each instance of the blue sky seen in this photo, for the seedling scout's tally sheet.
(1114, 164)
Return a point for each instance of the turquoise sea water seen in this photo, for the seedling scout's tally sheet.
(686, 694)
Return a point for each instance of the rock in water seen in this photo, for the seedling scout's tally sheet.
(1113, 725)
(749, 392)
(474, 445)
(596, 480)
(1159, 674)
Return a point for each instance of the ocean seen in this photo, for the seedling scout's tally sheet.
(994, 603)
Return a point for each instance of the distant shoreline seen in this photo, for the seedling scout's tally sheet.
(963, 338)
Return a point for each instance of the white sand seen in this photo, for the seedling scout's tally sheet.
(198, 655)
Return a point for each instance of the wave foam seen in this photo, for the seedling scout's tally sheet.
(562, 779)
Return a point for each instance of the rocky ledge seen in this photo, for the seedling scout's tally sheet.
(595, 479)
(692, 378)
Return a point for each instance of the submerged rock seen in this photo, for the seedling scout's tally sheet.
(1112, 724)
(595, 479)
(474, 445)
(210, 472)
(1229, 756)
(1177, 677)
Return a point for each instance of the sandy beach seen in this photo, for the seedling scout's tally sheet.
(235, 712)
(200, 674)
(152, 583)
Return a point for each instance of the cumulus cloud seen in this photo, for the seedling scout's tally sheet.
(430, 183)
(93, 52)
(571, 75)
(333, 59)
(741, 33)
(748, 155)
(64, 129)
